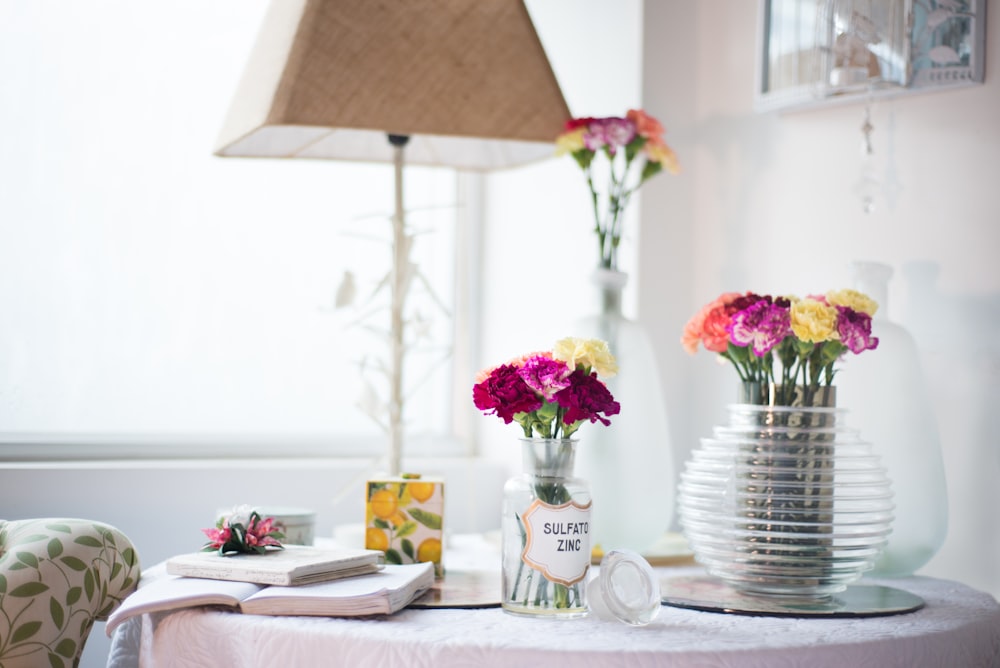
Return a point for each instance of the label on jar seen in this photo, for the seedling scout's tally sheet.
(557, 540)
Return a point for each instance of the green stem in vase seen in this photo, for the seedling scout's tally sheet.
(520, 565)
(561, 595)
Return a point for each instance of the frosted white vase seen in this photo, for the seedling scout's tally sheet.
(886, 391)
(629, 464)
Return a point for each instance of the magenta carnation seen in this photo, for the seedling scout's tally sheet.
(609, 133)
(762, 326)
(586, 398)
(855, 330)
(545, 375)
(504, 394)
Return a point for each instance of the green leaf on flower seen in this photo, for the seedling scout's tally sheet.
(650, 169)
(632, 148)
(427, 518)
(583, 158)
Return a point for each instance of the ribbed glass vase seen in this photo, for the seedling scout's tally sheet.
(785, 500)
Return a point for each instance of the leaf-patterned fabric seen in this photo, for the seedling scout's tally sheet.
(56, 577)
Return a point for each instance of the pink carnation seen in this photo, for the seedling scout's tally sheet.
(545, 375)
(609, 133)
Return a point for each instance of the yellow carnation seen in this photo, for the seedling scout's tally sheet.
(813, 321)
(570, 142)
(663, 154)
(852, 299)
(591, 353)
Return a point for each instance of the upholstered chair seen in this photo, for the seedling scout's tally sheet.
(56, 577)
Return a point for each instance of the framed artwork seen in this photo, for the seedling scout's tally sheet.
(817, 51)
(947, 42)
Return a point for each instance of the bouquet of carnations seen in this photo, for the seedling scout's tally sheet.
(806, 336)
(551, 394)
(634, 151)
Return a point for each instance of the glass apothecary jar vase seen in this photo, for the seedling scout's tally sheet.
(786, 500)
(546, 533)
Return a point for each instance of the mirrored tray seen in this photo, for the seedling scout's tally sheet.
(713, 595)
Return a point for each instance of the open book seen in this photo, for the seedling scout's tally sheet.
(294, 565)
(380, 593)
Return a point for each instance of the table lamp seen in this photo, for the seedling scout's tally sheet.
(458, 83)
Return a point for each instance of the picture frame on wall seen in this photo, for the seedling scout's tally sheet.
(814, 52)
(948, 43)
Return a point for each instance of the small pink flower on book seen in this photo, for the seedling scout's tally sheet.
(243, 531)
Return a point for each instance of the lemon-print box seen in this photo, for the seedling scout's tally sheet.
(404, 519)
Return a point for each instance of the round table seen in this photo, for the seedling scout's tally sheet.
(958, 626)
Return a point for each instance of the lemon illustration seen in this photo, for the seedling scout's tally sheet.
(383, 504)
(421, 491)
(429, 550)
(375, 539)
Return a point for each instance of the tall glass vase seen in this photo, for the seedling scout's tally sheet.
(630, 465)
(546, 533)
(889, 403)
(785, 500)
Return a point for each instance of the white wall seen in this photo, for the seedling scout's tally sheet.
(766, 203)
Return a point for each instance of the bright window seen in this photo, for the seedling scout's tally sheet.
(153, 294)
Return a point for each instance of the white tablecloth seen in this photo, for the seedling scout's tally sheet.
(959, 627)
